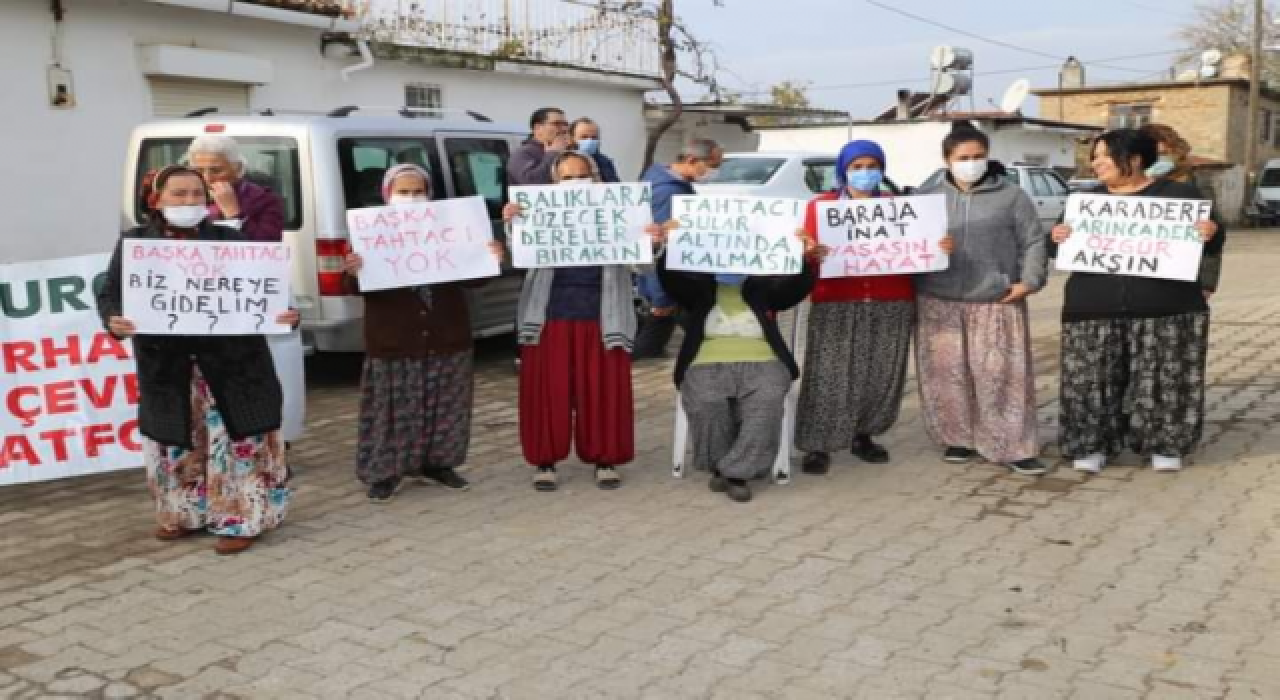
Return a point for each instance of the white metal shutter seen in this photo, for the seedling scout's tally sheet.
(176, 97)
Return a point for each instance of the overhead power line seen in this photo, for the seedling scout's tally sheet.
(987, 39)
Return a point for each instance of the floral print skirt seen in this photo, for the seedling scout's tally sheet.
(232, 488)
(1135, 383)
(415, 414)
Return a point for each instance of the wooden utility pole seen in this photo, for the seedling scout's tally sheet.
(1255, 89)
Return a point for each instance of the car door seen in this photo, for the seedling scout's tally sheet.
(475, 164)
(1049, 193)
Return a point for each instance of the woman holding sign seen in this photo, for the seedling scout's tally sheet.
(209, 406)
(859, 338)
(576, 328)
(734, 368)
(1134, 348)
(416, 389)
(973, 342)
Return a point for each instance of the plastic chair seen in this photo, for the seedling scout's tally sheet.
(782, 463)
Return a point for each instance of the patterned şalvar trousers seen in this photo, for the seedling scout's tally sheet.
(232, 488)
(977, 387)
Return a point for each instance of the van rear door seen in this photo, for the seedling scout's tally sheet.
(476, 165)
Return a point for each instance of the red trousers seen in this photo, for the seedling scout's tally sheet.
(572, 388)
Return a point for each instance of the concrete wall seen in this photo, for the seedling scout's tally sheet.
(62, 195)
(1211, 117)
(914, 150)
(732, 137)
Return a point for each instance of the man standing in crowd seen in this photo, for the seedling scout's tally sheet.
(585, 135)
(548, 138)
(665, 182)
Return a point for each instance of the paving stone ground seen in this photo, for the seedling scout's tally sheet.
(913, 579)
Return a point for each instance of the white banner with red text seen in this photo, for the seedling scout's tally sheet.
(68, 390)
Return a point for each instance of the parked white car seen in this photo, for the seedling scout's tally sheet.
(796, 174)
(1043, 184)
(1266, 198)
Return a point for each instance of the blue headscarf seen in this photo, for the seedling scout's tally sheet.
(853, 151)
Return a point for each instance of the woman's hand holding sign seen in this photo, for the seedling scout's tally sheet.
(352, 264)
(498, 250)
(289, 318)
(511, 211)
(1208, 229)
(947, 244)
(121, 327)
(1060, 233)
(812, 249)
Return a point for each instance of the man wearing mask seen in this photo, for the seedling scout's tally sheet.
(548, 138)
(585, 135)
(665, 182)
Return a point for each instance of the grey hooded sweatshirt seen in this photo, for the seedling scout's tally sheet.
(998, 242)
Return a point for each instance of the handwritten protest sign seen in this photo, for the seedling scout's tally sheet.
(1134, 236)
(570, 226)
(883, 236)
(205, 287)
(736, 235)
(68, 390)
(422, 243)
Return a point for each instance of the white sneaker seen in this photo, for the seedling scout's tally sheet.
(1092, 464)
(1162, 463)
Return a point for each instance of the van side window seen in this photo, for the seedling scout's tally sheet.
(479, 167)
(271, 161)
(820, 176)
(364, 162)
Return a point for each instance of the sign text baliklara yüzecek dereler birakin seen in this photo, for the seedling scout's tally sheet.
(731, 234)
(571, 225)
(1134, 236)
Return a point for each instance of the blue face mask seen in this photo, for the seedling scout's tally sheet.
(865, 180)
(1161, 167)
(589, 146)
(731, 280)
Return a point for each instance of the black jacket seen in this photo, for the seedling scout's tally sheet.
(1094, 296)
(238, 369)
(695, 292)
(531, 164)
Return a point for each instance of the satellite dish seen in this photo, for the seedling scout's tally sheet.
(1212, 57)
(950, 58)
(1015, 96)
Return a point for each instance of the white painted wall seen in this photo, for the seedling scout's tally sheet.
(732, 137)
(61, 195)
(914, 150)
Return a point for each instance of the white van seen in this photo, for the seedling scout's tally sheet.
(1266, 198)
(322, 165)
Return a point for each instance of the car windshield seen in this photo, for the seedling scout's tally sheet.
(745, 171)
(1270, 178)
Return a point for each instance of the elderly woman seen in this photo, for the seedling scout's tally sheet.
(576, 327)
(209, 406)
(1133, 348)
(255, 210)
(973, 340)
(735, 369)
(416, 392)
(859, 338)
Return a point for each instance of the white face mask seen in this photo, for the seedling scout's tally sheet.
(407, 198)
(188, 216)
(969, 171)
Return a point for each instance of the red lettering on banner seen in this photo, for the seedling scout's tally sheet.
(105, 345)
(59, 440)
(129, 435)
(19, 354)
(52, 352)
(95, 438)
(60, 397)
(13, 403)
(17, 448)
(131, 389)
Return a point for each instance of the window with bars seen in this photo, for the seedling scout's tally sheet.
(427, 97)
(1128, 116)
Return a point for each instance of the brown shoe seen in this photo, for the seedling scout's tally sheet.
(233, 545)
(169, 534)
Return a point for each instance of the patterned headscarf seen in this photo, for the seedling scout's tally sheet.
(396, 171)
